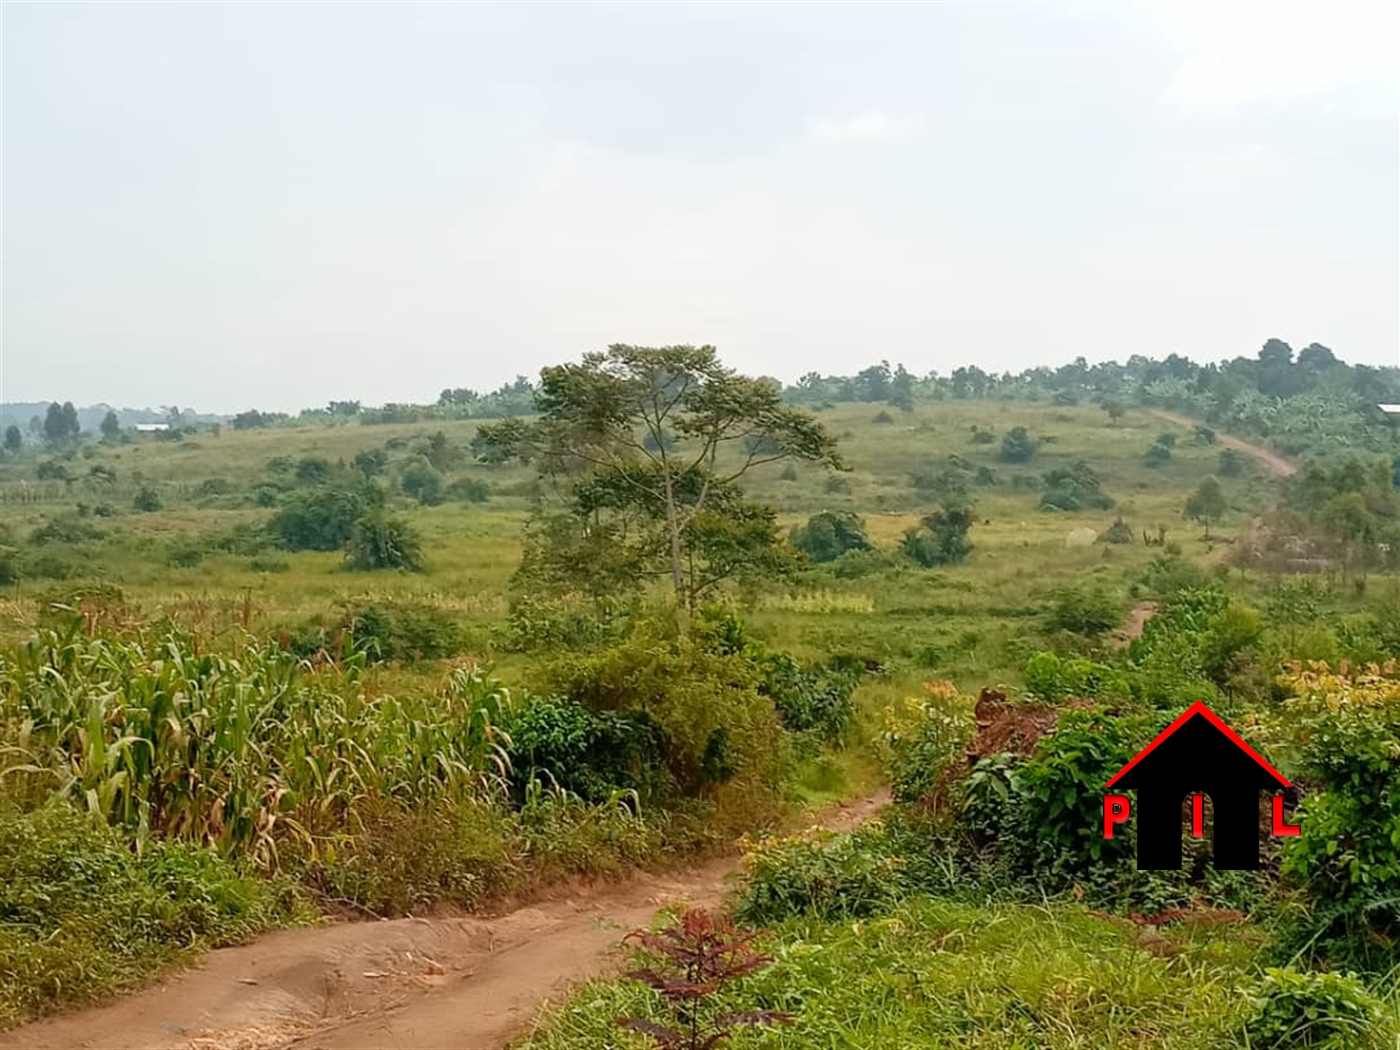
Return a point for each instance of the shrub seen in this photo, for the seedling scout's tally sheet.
(378, 541)
(940, 539)
(1084, 610)
(147, 500)
(1051, 678)
(883, 418)
(185, 554)
(838, 485)
(820, 873)
(1119, 532)
(830, 534)
(812, 699)
(370, 462)
(983, 437)
(927, 741)
(269, 564)
(313, 470)
(789, 472)
(403, 631)
(421, 482)
(1157, 455)
(1061, 819)
(1232, 464)
(65, 530)
(1204, 435)
(1017, 446)
(85, 916)
(716, 725)
(1166, 440)
(323, 519)
(52, 470)
(211, 487)
(468, 490)
(591, 754)
(1074, 488)
(1289, 1010)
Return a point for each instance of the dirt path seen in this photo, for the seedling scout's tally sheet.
(1134, 624)
(465, 983)
(1271, 461)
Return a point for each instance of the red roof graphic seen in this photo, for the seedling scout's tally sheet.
(1198, 708)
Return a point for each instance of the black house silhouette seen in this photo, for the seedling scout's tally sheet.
(1198, 753)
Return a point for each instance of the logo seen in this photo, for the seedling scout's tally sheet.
(1199, 756)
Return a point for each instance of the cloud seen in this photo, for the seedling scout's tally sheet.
(871, 126)
(1235, 55)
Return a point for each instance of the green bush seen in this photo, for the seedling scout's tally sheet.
(812, 699)
(147, 500)
(323, 519)
(1073, 488)
(82, 916)
(65, 530)
(1119, 532)
(1289, 1010)
(1232, 464)
(1061, 812)
(717, 727)
(1085, 610)
(378, 541)
(829, 876)
(940, 539)
(1051, 678)
(468, 490)
(926, 744)
(1017, 446)
(1157, 454)
(592, 754)
(830, 534)
(419, 481)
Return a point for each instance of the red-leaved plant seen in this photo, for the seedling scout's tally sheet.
(702, 952)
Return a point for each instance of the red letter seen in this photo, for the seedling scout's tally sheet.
(1198, 815)
(1115, 811)
(1280, 828)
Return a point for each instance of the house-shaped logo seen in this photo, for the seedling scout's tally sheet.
(1197, 755)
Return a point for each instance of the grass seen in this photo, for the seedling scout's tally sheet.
(939, 974)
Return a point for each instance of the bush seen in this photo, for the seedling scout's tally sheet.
(1232, 464)
(84, 916)
(313, 470)
(812, 699)
(211, 487)
(1084, 610)
(1061, 808)
(838, 485)
(927, 741)
(52, 470)
(1119, 532)
(1017, 446)
(1289, 1010)
(822, 874)
(269, 565)
(983, 437)
(1074, 488)
(65, 530)
(402, 631)
(468, 490)
(940, 539)
(147, 500)
(789, 472)
(830, 534)
(1052, 679)
(324, 518)
(716, 726)
(883, 418)
(381, 542)
(1158, 455)
(592, 754)
(421, 482)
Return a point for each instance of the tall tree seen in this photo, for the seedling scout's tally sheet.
(111, 427)
(646, 447)
(14, 441)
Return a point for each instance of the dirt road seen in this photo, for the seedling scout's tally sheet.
(466, 983)
(1270, 460)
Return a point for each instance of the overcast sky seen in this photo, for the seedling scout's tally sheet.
(228, 205)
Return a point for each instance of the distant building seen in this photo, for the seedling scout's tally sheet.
(151, 428)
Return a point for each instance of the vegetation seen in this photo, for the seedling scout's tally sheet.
(209, 727)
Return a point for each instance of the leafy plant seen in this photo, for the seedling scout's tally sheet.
(696, 958)
(378, 541)
(1292, 1010)
(830, 534)
(940, 539)
(323, 518)
(820, 873)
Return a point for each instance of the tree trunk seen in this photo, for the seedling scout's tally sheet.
(673, 529)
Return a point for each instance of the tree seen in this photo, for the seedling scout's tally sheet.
(1207, 503)
(147, 500)
(1017, 446)
(672, 506)
(830, 534)
(421, 482)
(1115, 410)
(111, 428)
(14, 440)
(323, 518)
(61, 423)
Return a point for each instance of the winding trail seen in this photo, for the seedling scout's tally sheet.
(1270, 460)
(465, 983)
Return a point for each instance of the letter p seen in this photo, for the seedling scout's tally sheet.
(1116, 810)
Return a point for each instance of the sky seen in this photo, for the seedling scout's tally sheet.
(227, 205)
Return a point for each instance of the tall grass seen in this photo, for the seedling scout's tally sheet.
(240, 750)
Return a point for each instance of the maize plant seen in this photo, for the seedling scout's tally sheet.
(241, 750)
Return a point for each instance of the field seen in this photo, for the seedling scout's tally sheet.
(395, 780)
